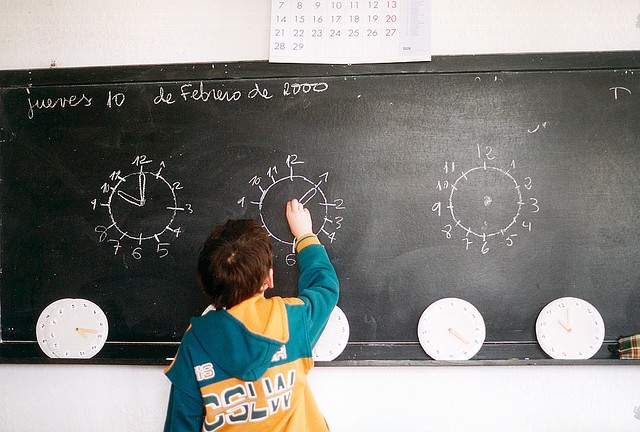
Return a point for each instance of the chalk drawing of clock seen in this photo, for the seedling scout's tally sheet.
(280, 184)
(142, 206)
(486, 205)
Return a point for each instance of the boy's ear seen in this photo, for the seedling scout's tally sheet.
(269, 279)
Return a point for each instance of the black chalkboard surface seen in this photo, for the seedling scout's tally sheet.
(508, 181)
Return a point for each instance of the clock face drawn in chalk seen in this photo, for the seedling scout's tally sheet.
(282, 183)
(142, 206)
(486, 205)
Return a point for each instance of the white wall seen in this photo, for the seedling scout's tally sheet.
(70, 33)
(443, 399)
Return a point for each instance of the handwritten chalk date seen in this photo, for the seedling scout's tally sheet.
(60, 103)
(202, 94)
(293, 89)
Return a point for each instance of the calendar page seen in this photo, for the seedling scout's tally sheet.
(362, 31)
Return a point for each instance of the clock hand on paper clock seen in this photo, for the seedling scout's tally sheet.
(459, 336)
(83, 331)
(567, 326)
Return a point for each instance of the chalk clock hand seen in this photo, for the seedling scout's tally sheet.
(308, 195)
(130, 199)
(142, 184)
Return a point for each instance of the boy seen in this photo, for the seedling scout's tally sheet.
(244, 366)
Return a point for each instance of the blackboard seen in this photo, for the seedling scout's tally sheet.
(508, 181)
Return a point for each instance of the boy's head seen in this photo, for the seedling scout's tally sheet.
(234, 262)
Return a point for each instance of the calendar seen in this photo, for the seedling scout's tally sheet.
(344, 32)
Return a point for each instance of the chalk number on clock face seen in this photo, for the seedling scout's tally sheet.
(72, 328)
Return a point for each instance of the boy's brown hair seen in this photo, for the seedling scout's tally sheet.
(234, 262)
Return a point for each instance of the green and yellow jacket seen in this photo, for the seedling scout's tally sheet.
(245, 368)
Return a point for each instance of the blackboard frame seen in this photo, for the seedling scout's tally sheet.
(159, 353)
(262, 69)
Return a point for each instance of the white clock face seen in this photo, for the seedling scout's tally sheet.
(72, 328)
(570, 328)
(334, 338)
(451, 329)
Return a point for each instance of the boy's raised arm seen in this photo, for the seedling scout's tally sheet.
(318, 283)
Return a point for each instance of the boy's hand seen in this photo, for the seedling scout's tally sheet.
(299, 219)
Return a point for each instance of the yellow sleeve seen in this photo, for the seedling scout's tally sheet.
(306, 240)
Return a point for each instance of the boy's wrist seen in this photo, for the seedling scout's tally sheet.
(305, 240)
